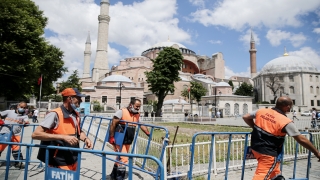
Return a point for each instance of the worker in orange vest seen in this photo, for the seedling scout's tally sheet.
(129, 114)
(269, 130)
(61, 127)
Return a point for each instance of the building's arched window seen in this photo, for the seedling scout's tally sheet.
(311, 89)
(291, 79)
(245, 108)
(291, 88)
(318, 91)
(138, 79)
(317, 78)
(227, 108)
(310, 78)
(236, 109)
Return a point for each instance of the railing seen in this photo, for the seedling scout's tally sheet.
(180, 156)
(231, 154)
(55, 173)
(99, 128)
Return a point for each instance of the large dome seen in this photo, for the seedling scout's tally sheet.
(289, 64)
(167, 44)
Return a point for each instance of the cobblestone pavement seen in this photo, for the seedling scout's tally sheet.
(91, 168)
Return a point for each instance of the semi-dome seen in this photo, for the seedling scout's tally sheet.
(167, 44)
(222, 84)
(116, 78)
(288, 63)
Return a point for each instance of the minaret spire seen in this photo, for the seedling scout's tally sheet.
(252, 38)
(101, 66)
(87, 58)
(253, 58)
(285, 52)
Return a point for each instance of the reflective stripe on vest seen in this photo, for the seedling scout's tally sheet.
(66, 125)
(127, 116)
(267, 136)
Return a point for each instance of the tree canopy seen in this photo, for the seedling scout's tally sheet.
(244, 89)
(197, 91)
(24, 52)
(231, 84)
(165, 72)
(73, 81)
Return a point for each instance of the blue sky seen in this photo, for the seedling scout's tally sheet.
(204, 26)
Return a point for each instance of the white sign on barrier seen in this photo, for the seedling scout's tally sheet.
(56, 173)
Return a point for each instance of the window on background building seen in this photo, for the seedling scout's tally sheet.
(118, 99)
(245, 109)
(312, 103)
(104, 99)
(183, 65)
(280, 78)
(311, 89)
(310, 78)
(145, 100)
(317, 78)
(236, 109)
(132, 99)
(318, 91)
(138, 79)
(291, 90)
(227, 106)
(87, 99)
(291, 79)
(293, 101)
(318, 102)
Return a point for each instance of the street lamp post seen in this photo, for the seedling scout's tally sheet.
(120, 86)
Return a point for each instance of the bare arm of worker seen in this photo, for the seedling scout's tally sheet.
(86, 140)
(115, 122)
(40, 134)
(307, 144)
(145, 130)
(248, 119)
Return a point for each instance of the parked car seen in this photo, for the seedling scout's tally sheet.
(306, 113)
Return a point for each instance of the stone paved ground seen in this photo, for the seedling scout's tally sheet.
(91, 168)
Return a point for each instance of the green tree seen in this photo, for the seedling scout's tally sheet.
(185, 93)
(165, 72)
(197, 90)
(244, 90)
(73, 81)
(231, 84)
(24, 52)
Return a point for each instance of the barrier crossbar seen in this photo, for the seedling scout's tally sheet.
(245, 136)
(55, 173)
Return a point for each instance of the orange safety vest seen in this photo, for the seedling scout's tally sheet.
(66, 126)
(127, 116)
(267, 136)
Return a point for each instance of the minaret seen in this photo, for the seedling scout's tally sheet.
(253, 58)
(87, 57)
(101, 66)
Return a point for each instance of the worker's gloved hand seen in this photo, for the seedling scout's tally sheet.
(112, 140)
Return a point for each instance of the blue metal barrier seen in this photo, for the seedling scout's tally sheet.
(55, 173)
(22, 140)
(245, 149)
(99, 121)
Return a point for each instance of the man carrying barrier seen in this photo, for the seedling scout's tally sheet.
(11, 127)
(61, 127)
(269, 130)
(130, 114)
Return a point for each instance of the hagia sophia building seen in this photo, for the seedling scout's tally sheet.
(114, 87)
